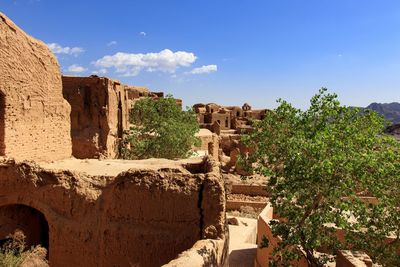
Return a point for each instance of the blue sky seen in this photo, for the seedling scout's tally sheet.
(227, 52)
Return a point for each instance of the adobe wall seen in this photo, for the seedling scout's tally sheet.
(207, 252)
(264, 254)
(209, 142)
(141, 217)
(99, 115)
(223, 119)
(34, 121)
(134, 93)
(229, 117)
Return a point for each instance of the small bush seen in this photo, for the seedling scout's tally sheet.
(14, 252)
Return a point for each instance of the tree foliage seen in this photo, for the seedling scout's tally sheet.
(160, 129)
(321, 162)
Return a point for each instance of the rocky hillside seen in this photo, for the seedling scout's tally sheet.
(394, 130)
(391, 111)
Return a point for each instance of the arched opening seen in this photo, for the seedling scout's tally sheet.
(29, 220)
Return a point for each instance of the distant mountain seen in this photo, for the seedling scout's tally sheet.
(391, 111)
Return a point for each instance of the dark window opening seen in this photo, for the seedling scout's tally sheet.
(120, 126)
(2, 123)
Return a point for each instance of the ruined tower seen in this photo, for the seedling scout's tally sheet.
(34, 117)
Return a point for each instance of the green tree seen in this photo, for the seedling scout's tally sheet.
(321, 161)
(160, 129)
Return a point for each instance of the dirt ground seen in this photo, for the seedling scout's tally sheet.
(249, 180)
(242, 197)
(112, 167)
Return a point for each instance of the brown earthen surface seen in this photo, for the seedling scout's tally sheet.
(34, 120)
(264, 254)
(145, 216)
(99, 115)
(347, 258)
(209, 143)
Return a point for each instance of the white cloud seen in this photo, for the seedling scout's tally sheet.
(58, 49)
(112, 43)
(75, 68)
(132, 64)
(142, 33)
(204, 69)
(100, 71)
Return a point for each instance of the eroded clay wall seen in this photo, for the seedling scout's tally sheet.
(34, 121)
(139, 218)
(99, 115)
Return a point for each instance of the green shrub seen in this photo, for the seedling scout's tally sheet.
(160, 129)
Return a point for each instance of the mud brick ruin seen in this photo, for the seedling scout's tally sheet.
(100, 110)
(103, 211)
(34, 116)
(228, 123)
(229, 118)
(63, 186)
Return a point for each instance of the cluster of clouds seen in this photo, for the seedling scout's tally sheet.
(132, 64)
(58, 49)
(75, 68)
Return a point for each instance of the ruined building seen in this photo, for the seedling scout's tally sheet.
(94, 212)
(34, 116)
(100, 113)
(228, 117)
(228, 122)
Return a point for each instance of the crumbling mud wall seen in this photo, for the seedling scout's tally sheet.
(209, 142)
(141, 217)
(99, 115)
(34, 120)
(207, 252)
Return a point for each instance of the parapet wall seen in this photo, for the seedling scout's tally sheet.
(142, 217)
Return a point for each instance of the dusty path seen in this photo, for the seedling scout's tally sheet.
(242, 243)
